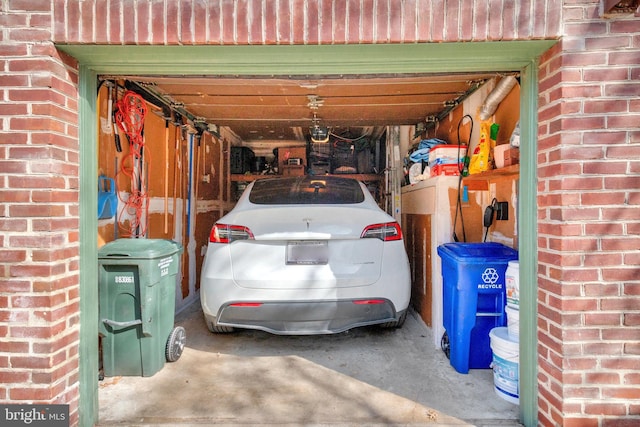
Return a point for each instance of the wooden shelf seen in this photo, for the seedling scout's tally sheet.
(366, 177)
(480, 181)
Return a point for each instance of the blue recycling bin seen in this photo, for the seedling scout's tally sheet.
(474, 299)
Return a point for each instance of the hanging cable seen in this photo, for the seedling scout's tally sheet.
(130, 112)
(462, 168)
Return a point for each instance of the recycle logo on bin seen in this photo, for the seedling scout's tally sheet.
(490, 275)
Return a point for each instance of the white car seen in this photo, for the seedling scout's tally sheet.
(305, 255)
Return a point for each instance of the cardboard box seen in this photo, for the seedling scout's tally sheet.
(292, 170)
(286, 153)
(512, 156)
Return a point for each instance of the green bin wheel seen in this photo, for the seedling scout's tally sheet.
(175, 344)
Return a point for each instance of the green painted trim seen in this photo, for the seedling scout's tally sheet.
(528, 245)
(88, 352)
(425, 58)
(304, 60)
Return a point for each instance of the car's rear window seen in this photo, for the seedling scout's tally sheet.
(306, 190)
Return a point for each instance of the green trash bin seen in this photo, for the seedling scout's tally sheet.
(137, 292)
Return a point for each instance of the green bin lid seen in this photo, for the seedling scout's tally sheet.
(139, 249)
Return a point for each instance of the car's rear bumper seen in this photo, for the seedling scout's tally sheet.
(306, 317)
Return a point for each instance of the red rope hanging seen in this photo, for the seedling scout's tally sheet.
(130, 112)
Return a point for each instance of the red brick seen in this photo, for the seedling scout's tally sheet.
(600, 289)
(602, 319)
(158, 27)
(29, 35)
(382, 21)
(631, 289)
(100, 23)
(603, 349)
(228, 21)
(581, 392)
(49, 285)
(55, 224)
(33, 393)
(128, 22)
(55, 346)
(73, 19)
(620, 244)
(201, 17)
(172, 22)
(578, 304)
(339, 17)
(25, 211)
(142, 16)
(620, 334)
(612, 408)
(13, 224)
(186, 22)
(607, 43)
(495, 20)
(632, 348)
(12, 255)
(618, 58)
(619, 364)
(30, 5)
(622, 421)
(452, 25)
(578, 421)
(367, 18)
(298, 21)
(13, 285)
(270, 30)
(32, 270)
(114, 22)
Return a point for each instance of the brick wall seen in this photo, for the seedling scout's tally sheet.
(39, 294)
(589, 222)
(589, 171)
(302, 21)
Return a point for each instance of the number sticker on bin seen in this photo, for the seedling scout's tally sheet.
(124, 279)
(164, 265)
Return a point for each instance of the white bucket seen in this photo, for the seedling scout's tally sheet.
(513, 323)
(505, 365)
(512, 279)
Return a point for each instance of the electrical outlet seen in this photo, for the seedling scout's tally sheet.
(502, 211)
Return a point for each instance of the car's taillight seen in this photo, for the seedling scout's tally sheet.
(386, 232)
(224, 233)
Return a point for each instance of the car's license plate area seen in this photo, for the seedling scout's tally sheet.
(307, 252)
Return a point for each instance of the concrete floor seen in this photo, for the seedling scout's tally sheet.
(366, 376)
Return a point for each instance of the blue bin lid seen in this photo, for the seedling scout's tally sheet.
(478, 251)
(139, 249)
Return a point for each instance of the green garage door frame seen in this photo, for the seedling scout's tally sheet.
(299, 61)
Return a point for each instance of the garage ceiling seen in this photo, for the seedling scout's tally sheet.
(283, 108)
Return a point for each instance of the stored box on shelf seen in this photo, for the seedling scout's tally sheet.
(288, 170)
(512, 156)
(287, 153)
(447, 154)
(241, 159)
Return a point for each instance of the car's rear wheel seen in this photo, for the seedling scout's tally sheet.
(218, 329)
(396, 323)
